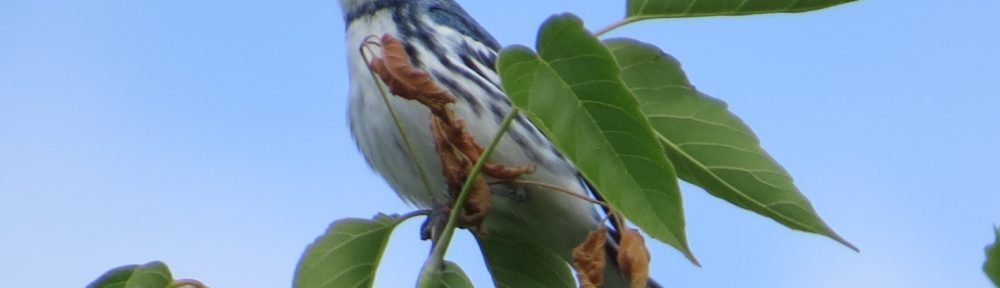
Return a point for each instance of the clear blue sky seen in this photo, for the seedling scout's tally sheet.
(211, 135)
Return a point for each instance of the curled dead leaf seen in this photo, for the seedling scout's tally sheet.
(456, 147)
(452, 165)
(633, 258)
(588, 259)
(397, 72)
(404, 80)
(476, 206)
(456, 169)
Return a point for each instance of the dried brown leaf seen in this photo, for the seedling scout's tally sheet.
(456, 170)
(476, 206)
(501, 171)
(452, 165)
(404, 80)
(633, 258)
(460, 137)
(456, 147)
(397, 72)
(588, 259)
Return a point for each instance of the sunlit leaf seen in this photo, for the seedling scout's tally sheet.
(517, 264)
(709, 146)
(573, 92)
(347, 255)
(114, 278)
(992, 265)
(648, 9)
(152, 275)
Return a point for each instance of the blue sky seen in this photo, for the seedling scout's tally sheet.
(212, 136)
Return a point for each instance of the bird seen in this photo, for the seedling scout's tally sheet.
(460, 56)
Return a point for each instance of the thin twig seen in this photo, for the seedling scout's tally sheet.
(612, 216)
(554, 188)
(421, 212)
(392, 111)
(613, 26)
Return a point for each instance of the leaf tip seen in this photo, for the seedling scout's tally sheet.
(836, 237)
(690, 257)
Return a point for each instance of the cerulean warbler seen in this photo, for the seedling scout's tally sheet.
(460, 56)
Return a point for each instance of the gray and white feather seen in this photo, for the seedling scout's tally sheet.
(460, 56)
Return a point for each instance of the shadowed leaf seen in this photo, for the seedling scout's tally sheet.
(515, 264)
(453, 277)
(573, 92)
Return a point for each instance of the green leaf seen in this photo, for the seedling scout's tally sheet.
(992, 265)
(573, 92)
(452, 276)
(517, 264)
(709, 146)
(649, 9)
(114, 278)
(347, 255)
(151, 275)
